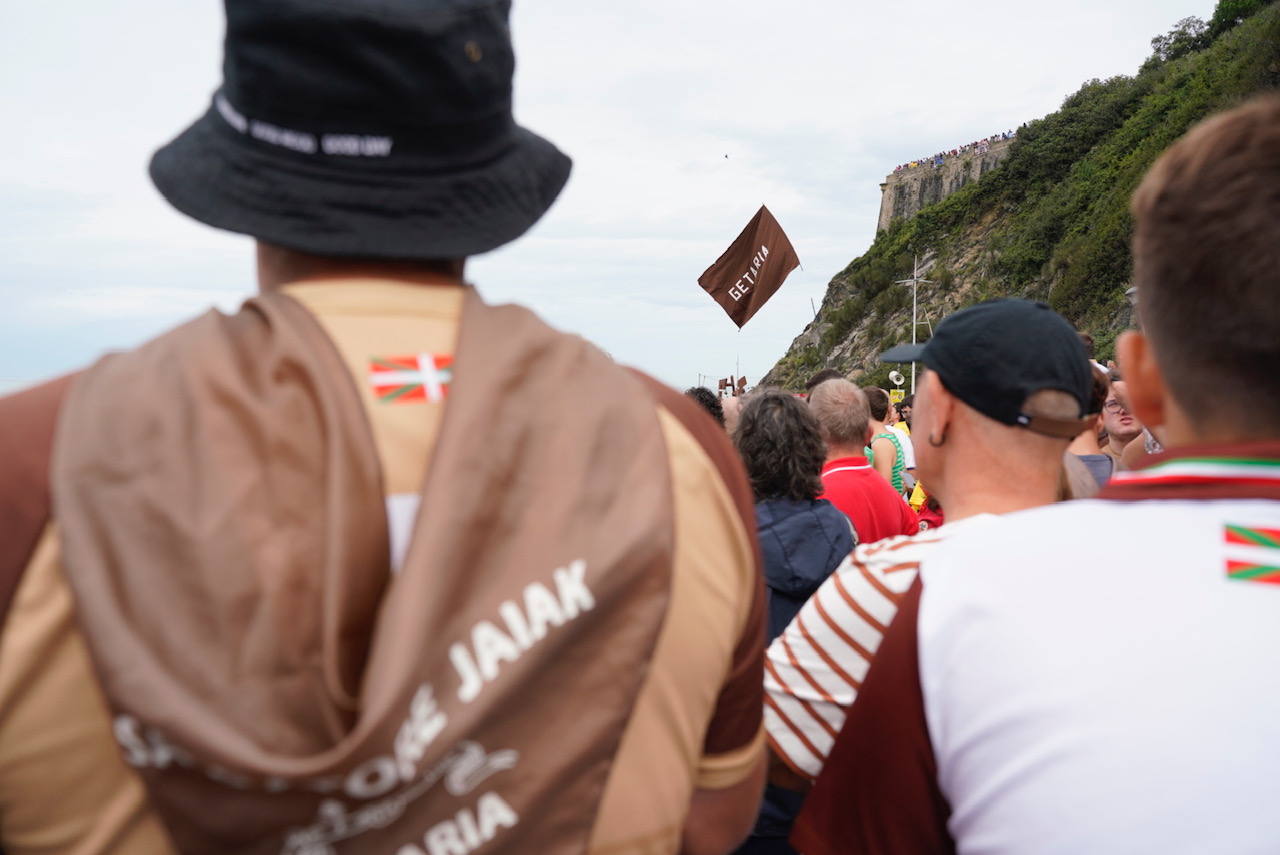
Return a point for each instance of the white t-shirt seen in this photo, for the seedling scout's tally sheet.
(1102, 677)
(908, 451)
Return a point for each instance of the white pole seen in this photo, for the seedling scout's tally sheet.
(915, 279)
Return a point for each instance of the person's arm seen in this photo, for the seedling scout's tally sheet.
(719, 820)
(731, 774)
(729, 777)
(878, 791)
(885, 456)
(782, 775)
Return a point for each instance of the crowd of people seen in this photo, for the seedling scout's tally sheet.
(373, 566)
(981, 146)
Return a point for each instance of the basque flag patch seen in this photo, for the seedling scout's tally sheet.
(406, 379)
(1252, 554)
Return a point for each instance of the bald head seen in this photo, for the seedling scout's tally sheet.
(975, 464)
(841, 410)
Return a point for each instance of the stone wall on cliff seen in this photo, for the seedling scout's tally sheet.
(905, 192)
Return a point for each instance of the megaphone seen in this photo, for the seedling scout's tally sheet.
(896, 378)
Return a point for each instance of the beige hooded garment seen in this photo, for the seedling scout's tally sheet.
(284, 692)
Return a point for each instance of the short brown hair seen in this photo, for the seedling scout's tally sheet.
(1098, 394)
(1206, 258)
(1087, 341)
(841, 411)
(878, 401)
(779, 442)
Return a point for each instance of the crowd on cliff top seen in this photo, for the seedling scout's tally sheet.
(373, 566)
(978, 146)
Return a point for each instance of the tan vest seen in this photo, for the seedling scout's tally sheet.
(511, 638)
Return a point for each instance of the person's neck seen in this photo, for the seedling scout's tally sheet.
(876, 427)
(981, 479)
(1002, 498)
(1085, 443)
(839, 452)
(278, 266)
(1115, 447)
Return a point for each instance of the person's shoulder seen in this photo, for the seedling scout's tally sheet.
(824, 510)
(1012, 550)
(887, 441)
(704, 465)
(833, 521)
(897, 550)
(1056, 518)
(690, 416)
(1050, 528)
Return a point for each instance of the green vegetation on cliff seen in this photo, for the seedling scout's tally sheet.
(1052, 223)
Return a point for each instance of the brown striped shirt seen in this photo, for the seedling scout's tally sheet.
(815, 668)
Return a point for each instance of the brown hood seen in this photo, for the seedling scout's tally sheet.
(223, 526)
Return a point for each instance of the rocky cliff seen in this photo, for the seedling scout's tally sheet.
(905, 192)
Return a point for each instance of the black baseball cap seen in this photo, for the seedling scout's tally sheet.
(992, 356)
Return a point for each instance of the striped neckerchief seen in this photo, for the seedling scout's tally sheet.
(1244, 471)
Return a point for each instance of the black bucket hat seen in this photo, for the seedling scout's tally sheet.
(994, 355)
(365, 129)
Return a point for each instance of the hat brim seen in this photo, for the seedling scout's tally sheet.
(322, 205)
(903, 353)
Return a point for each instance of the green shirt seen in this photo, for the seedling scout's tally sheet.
(896, 471)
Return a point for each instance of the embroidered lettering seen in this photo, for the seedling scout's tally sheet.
(296, 140)
(443, 839)
(354, 145)
(419, 730)
(372, 778)
(571, 585)
(347, 145)
(149, 748)
(479, 663)
(470, 682)
(492, 646)
(542, 608)
(493, 813)
(463, 769)
(468, 830)
(516, 624)
(467, 827)
(471, 765)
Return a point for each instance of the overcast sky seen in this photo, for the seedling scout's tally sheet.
(813, 101)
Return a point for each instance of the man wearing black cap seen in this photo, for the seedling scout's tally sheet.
(351, 570)
(1004, 388)
(1098, 676)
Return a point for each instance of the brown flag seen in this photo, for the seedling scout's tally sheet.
(751, 269)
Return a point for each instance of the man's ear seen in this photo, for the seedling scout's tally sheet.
(942, 405)
(1144, 382)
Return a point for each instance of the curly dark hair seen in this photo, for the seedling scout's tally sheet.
(708, 400)
(779, 441)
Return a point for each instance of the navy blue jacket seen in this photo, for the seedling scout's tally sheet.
(803, 542)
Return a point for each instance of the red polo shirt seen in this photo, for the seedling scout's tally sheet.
(866, 498)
